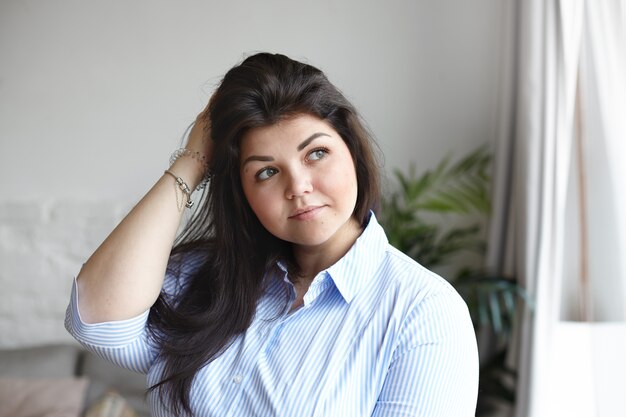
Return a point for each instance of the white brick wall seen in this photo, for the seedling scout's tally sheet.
(42, 246)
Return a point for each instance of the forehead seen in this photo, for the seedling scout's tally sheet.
(291, 131)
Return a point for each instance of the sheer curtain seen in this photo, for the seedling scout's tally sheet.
(563, 105)
(603, 95)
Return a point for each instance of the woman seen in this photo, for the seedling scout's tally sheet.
(282, 296)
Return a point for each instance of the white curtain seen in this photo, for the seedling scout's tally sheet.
(603, 91)
(563, 51)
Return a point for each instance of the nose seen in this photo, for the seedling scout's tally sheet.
(298, 184)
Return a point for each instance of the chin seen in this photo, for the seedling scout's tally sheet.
(310, 241)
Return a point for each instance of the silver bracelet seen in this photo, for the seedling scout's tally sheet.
(182, 185)
(199, 158)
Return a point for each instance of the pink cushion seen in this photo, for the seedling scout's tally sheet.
(42, 397)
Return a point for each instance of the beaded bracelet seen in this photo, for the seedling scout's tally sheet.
(199, 158)
(182, 185)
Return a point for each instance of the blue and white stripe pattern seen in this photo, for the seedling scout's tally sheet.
(378, 335)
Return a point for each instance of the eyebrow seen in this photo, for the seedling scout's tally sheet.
(301, 146)
(311, 139)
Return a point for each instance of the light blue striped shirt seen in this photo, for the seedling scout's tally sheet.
(378, 335)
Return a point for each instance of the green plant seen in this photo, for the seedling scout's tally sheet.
(439, 215)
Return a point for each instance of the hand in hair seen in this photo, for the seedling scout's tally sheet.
(200, 136)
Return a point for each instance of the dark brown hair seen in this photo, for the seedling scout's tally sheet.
(230, 247)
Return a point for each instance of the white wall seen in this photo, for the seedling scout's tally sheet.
(95, 95)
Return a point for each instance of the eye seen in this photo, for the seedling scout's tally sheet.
(266, 173)
(317, 154)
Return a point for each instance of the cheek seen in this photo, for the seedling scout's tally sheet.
(342, 181)
(252, 197)
(261, 203)
(341, 185)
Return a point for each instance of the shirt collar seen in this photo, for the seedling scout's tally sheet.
(358, 265)
(354, 270)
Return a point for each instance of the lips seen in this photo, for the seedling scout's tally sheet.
(305, 213)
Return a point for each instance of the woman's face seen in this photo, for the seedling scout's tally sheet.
(299, 179)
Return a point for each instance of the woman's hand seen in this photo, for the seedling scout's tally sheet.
(200, 136)
(192, 166)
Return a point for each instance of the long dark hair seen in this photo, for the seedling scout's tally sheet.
(226, 240)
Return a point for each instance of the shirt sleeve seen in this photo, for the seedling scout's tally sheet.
(434, 369)
(124, 342)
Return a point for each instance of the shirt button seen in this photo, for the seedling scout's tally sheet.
(237, 379)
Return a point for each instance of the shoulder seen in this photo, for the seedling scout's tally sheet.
(400, 273)
(397, 284)
(426, 305)
(384, 269)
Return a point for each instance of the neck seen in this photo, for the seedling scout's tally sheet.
(313, 259)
